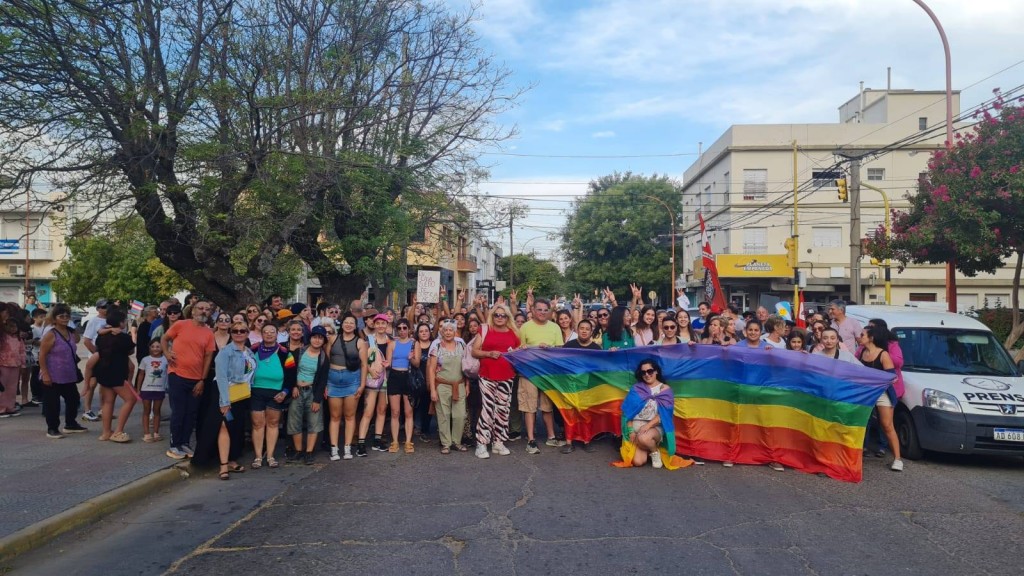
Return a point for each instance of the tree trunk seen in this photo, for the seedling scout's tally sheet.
(1017, 326)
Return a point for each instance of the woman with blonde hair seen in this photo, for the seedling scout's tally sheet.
(496, 377)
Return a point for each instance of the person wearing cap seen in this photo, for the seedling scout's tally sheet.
(308, 393)
(281, 319)
(92, 330)
(304, 314)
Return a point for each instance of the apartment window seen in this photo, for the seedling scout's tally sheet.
(707, 197)
(755, 184)
(826, 178)
(922, 123)
(922, 297)
(755, 240)
(922, 181)
(876, 173)
(727, 186)
(827, 237)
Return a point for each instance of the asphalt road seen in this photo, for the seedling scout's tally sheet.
(563, 514)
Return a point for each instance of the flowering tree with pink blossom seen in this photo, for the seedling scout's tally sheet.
(970, 208)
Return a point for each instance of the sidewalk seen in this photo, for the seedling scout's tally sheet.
(42, 477)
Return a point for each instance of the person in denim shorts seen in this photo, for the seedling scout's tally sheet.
(308, 394)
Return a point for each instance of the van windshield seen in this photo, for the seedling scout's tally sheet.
(951, 351)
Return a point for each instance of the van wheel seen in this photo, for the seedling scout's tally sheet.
(910, 447)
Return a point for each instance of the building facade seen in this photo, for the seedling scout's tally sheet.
(31, 248)
(743, 186)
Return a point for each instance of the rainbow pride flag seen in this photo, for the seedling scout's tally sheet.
(749, 406)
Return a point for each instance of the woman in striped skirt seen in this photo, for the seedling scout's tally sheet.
(496, 376)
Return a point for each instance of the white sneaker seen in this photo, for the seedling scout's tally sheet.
(348, 453)
(727, 463)
(499, 448)
(187, 450)
(481, 451)
(334, 453)
(656, 459)
(897, 465)
(776, 466)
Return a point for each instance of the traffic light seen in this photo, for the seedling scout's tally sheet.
(841, 184)
(791, 256)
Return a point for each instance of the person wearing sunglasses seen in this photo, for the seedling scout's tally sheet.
(256, 329)
(234, 367)
(647, 421)
(496, 378)
(399, 353)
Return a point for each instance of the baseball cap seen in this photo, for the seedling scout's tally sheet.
(284, 314)
(101, 303)
(318, 331)
(381, 317)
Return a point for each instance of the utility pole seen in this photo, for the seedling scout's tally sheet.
(511, 260)
(796, 239)
(855, 247)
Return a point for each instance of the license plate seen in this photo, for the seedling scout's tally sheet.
(1008, 434)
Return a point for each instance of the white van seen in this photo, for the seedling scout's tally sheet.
(964, 394)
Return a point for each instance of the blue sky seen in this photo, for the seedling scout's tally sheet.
(642, 82)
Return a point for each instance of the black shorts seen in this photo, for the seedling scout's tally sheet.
(263, 399)
(398, 383)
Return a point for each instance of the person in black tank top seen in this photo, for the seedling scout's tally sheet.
(874, 354)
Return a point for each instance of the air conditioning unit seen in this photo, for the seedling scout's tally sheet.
(16, 269)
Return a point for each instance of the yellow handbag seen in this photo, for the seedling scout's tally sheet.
(239, 391)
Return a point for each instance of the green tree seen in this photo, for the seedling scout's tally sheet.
(970, 209)
(118, 265)
(242, 129)
(530, 271)
(618, 234)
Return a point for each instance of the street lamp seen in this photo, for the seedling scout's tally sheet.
(672, 220)
(951, 265)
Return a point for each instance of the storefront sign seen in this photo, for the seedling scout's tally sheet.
(753, 266)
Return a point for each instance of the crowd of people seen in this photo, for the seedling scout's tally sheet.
(233, 379)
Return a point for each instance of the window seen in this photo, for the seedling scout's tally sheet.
(997, 300)
(826, 178)
(827, 237)
(922, 181)
(922, 123)
(755, 184)
(876, 173)
(755, 240)
(727, 186)
(707, 197)
(922, 297)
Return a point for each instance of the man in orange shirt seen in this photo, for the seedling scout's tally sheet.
(189, 348)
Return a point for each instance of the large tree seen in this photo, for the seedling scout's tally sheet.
(242, 129)
(970, 207)
(528, 271)
(619, 233)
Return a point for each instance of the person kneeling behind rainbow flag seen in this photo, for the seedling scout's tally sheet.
(647, 422)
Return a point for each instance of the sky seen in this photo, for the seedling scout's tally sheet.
(628, 85)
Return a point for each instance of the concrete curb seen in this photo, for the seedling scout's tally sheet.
(87, 512)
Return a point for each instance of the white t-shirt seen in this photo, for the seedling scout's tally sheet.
(92, 329)
(155, 378)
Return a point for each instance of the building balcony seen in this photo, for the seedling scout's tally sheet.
(467, 263)
(13, 250)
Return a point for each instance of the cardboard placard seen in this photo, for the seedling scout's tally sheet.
(428, 286)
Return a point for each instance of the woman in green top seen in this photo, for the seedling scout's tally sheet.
(447, 386)
(272, 383)
(619, 334)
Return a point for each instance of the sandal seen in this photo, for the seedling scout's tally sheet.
(461, 447)
(410, 447)
(223, 475)
(272, 462)
(157, 437)
(235, 468)
(148, 438)
(393, 448)
(257, 463)
(445, 450)
(121, 437)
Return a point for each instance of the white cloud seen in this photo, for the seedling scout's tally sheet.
(553, 125)
(603, 134)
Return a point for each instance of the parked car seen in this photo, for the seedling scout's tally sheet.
(964, 394)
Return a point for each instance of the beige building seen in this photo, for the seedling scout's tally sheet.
(743, 185)
(35, 234)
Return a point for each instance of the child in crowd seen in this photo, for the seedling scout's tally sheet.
(151, 382)
(12, 360)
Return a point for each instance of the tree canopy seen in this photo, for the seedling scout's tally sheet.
(529, 271)
(618, 234)
(240, 130)
(970, 209)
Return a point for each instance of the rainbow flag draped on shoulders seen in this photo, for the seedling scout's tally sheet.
(749, 406)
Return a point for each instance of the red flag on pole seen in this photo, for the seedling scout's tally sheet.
(712, 288)
(801, 315)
